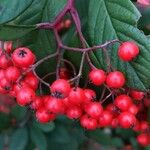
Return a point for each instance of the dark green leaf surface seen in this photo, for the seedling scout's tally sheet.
(19, 139)
(117, 19)
(11, 9)
(38, 138)
(2, 142)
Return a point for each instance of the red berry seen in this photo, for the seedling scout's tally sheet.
(43, 116)
(5, 84)
(74, 113)
(127, 51)
(37, 103)
(25, 96)
(115, 79)
(115, 123)
(126, 120)
(54, 105)
(137, 95)
(88, 123)
(143, 139)
(123, 102)
(144, 126)
(76, 96)
(67, 23)
(105, 119)
(31, 80)
(60, 88)
(23, 57)
(12, 73)
(97, 77)
(94, 109)
(2, 74)
(5, 62)
(90, 95)
(133, 109)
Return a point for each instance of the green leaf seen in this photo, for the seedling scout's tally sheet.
(45, 127)
(18, 112)
(19, 139)
(12, 32)
(38, 138)
(11, 9)
(2, 142)
(117, 19)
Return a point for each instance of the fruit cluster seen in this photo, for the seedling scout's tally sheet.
(125, 110)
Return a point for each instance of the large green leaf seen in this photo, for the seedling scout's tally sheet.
(19, 139)
(11, 9)
(117, 19)
(38, 138)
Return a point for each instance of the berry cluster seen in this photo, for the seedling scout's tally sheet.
(18, 80)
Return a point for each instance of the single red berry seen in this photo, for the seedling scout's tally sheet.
(25, 96)
(133, 109)
(113, 109)
(60, 88)
(12, 73)
(54, 105)
(144, 126)
(76, 96)
(5, 84)
(137, 95)
(67, 23)
(97, 77)
(128, 51)
(43, 116)
(37, 103)
(105, 119)
(143, 139)
(23, 57)
(115, 123)
(123, 102)
(64, 73)
(74, 112)
(90, 95)
(115, 79)
(94, 109)
(126, 120)
(88, 123)
(5, 62)
(31, 80)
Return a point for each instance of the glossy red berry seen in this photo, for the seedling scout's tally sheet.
(76, 96)
(105, 119)
(54, 105)
(88, 123)
(37, 103)
(5, 62)
(97, 77)
(126, 120)
(60, 88)
(43, 116)
(67, 23)
(133, 109)
(123, 102)
(144, 126)
(25, 96)
(128, 51)
(74, 112)
(12, 73)
(31, 80)
(94, 109)
(115, 79)
(137, 95)
(23, 57)
(143, 139)
(5, 84)
(90, 95)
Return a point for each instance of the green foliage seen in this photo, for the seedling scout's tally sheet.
(19, 139)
